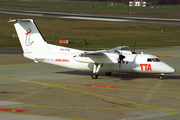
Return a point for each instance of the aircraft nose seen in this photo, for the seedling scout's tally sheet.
(171, 70)
(174, 70)
(166, 68)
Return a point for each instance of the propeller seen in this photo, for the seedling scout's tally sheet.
(134, 52)
(121, 57)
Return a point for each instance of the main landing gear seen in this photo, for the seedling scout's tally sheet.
(94, 76)
(96, 69)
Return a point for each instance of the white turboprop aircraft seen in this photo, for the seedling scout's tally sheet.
(114, 60)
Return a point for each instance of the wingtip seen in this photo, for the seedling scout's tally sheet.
(10, 21)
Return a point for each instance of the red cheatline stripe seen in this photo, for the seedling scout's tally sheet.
(103, 86)
(11, 110)
(164, 56)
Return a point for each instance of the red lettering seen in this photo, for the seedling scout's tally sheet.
(62, 60)
(149, 67)
(146, 67)
(142, 66)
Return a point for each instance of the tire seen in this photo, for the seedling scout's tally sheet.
(94, 76)
(161, 77)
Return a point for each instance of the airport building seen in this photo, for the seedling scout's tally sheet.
(137, 3)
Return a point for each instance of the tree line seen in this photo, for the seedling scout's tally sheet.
(154, 2)
(164, 2)
(169, 2)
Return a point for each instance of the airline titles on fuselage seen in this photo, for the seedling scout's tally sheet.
(51, 60)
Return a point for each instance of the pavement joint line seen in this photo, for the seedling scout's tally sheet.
(59, 107)
(160, 54)
(172, 55)
(62, 107)
(16, 64)
(121, 89)
(94, 94)
(44, 116)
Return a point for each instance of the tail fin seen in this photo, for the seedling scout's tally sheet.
(30, 38)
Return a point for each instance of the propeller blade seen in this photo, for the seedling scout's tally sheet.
(134, 52)
(121, 57)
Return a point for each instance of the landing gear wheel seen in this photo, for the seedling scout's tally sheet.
(161, 77)
(108, 73)
(94, 76)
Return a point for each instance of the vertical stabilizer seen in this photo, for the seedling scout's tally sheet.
(30, 38)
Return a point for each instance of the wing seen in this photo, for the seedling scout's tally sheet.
(88, 54)
(117, 48)
(103, 56)
(102, 52)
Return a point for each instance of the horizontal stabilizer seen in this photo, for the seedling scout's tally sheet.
(19, 20)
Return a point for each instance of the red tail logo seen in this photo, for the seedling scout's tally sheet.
(28, 32)
(27, 41)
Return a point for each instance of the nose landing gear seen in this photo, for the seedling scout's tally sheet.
(161, 76)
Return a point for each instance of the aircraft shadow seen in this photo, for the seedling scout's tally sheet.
(75, 72)
(123, 76)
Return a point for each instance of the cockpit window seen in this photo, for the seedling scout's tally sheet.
(157, 59)
(153, 60)
(149, 60)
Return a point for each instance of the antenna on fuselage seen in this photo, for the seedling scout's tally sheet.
(134, 52)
